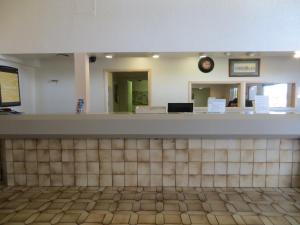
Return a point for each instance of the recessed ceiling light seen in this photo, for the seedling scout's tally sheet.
(251, 54)
(109, 56)
(155, 56)
(297, 54)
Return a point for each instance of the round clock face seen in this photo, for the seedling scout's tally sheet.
(206, 64)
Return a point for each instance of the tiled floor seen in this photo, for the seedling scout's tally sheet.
(91, 206)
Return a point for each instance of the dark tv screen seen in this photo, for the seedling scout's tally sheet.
(180, 107)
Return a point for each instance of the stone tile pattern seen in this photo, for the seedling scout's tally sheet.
(153, 162)
(149, 205)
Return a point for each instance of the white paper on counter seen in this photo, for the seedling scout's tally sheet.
(150, 110)
(298, 105)
(216, 105)
(261, 104)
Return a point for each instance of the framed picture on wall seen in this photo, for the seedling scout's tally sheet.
(244, 67)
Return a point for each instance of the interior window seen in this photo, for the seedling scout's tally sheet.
(280, 94)
(127, 90)
(201, 93)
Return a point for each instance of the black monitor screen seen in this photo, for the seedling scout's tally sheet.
(9, 87)
(180, 107)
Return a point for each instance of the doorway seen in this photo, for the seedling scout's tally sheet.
(126, 90)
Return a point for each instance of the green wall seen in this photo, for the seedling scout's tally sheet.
(129, 90)
(200, 96)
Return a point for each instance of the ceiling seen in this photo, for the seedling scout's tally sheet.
(148, 54)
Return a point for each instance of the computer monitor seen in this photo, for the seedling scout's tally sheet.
(9, 87)
(180, 107)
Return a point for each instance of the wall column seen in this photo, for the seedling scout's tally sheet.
(242, 95)
(82, 79)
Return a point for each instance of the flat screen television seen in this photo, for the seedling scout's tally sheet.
(9, 87)
(180, 107)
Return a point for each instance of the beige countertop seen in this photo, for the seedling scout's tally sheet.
(227, 125)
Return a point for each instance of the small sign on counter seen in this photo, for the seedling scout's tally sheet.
(261, 104)
(216, 105)
(298, 105)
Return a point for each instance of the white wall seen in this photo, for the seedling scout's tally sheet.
(52, 97)
(49, 26)
(170, 77)
(27, 85)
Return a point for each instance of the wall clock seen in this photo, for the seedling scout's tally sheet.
(206, 64)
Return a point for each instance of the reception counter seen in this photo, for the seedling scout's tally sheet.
(152, 125)
(195, 150)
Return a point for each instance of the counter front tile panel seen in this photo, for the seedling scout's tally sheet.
(152, 162)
